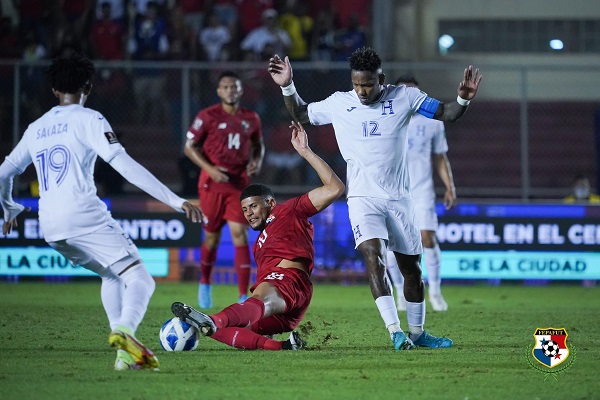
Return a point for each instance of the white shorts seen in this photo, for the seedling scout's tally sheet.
(390, 220)
(427, 219)
(109, 246)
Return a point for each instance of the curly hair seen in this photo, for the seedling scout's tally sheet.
(257, 189)
(365, 59)
(71, 74)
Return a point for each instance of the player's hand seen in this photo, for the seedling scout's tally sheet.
(299, 138)
(218, 174)
(280, 70)
(192, 212)
(253, 167)
(467, 89)
(8, 226)
(450, 199)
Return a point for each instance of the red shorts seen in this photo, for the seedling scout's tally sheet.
(218, 208)
(296, 289)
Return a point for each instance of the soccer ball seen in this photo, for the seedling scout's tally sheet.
(550, 348)
(177, 335)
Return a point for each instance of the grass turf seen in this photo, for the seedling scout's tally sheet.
(53, 345)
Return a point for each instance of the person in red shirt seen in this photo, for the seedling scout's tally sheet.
(225, 141)
(284, 253)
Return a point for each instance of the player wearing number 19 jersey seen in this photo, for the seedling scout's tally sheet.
(63, 145)
(225, 141)
(370, 124)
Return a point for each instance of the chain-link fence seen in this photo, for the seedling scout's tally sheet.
(526, 135)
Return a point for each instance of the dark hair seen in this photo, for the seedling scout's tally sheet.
(256, 189)
(365, 59)
(71, 74)
(228, 74)
(406, 78)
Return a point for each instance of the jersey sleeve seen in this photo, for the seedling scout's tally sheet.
(101, 138)
(257, 134)
(20, 158)
(199, 128)
(302, 206)
(415, 98)
(440, 145)
(320, 112)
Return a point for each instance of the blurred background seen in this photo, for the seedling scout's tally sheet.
(533, 127)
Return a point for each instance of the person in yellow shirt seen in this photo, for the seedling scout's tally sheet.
(582, 192)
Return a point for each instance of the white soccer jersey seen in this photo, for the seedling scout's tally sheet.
(63, 145)
(372, 138)
(425, 137)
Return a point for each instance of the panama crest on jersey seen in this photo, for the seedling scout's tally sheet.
(550, 347)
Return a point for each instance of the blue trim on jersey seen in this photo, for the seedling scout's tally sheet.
(428, 107)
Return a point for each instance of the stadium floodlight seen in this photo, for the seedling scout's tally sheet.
(444, 43)
(556, 44)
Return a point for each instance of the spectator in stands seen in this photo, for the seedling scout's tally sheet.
(349, 39)
(118, 12)
(182, 39)
(107, 36)
(581, 192)
(267, 34)
(251, 12)
(193, 14)
(149, 42)
(214, 39)
(323, 38)
(299, 27)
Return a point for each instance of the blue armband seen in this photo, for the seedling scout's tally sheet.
(428, 107)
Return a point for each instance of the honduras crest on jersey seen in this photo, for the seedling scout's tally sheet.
(550, 347)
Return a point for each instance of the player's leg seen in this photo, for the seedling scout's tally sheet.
(213, 210)
(397, 280)
(241, 260)
(432, 264)
(368, 222)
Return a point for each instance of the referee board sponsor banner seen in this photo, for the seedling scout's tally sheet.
(145, 229)
(524, 234)
(519, 265)
(45, 261)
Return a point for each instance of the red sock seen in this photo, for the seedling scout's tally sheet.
(242, 338)
(241, 262)
(207, 260)
(241, 315)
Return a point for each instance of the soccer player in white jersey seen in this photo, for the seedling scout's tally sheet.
(370, 124)
(63, 145)
(427, 147)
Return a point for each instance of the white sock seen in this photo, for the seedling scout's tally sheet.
(415, 314)
(432, 264)
(388, 312)
(111, 293)
(139, 286)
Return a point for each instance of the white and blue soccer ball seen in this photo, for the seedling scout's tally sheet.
(178, 335)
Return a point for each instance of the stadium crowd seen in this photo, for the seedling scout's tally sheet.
(202, 30)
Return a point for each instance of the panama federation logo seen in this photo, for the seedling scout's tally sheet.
(551, 351)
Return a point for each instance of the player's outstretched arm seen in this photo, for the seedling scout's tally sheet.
(467, 89)
(333, 187)
(282, 74)
(139, 176)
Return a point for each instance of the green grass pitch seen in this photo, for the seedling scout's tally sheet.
(53, 345)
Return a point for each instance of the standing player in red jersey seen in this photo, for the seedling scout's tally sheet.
(225, 141)
(284, 252)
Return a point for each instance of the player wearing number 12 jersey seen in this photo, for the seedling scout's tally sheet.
(370, 124)
(225, 141)
(63, 145)
(284, 254)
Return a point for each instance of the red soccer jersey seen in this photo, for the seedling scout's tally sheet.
(288, 235)
(226, 142)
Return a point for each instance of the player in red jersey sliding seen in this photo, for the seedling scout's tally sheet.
(225, 141)
(284, 253)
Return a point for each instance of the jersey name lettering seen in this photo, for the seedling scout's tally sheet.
(52, 130)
